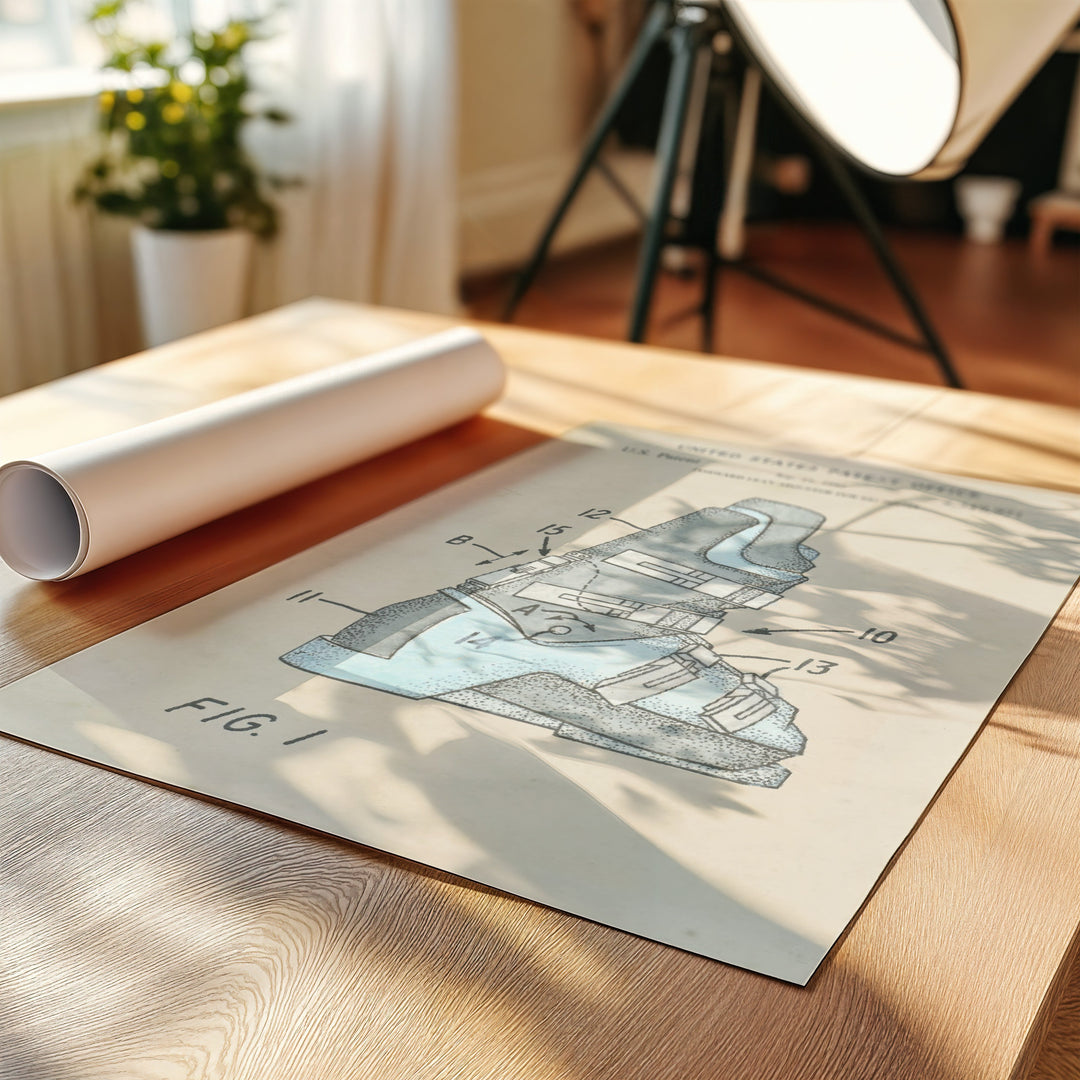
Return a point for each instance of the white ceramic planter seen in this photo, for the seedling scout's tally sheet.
(189, 281)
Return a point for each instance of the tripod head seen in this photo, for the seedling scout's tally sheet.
(694, 11)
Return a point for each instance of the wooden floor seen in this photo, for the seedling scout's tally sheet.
(1011, 321)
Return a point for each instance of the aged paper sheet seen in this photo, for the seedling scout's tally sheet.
(697, 692)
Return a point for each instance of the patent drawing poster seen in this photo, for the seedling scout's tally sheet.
(700, 693)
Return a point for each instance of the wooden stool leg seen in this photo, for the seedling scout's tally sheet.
(1042, 233)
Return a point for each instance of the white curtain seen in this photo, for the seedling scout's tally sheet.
(56, 272)
(372, 87)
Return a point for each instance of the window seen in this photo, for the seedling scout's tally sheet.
(47, 51)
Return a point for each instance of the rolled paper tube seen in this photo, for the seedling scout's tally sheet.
(69, 511)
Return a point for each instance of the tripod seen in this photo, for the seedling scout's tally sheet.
(690, 27)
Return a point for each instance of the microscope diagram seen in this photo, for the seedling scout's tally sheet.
(606, 645)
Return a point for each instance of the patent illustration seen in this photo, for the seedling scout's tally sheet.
(606, 645)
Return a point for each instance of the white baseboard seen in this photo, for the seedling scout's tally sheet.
(503, 209)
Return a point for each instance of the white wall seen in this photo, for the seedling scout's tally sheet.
(526, 94)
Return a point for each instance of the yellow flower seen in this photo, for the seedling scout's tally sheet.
(135, 96)
(172, 113)
(106, 100)
(233, 36)
(135, 121)
(181, 92)
(170, 168)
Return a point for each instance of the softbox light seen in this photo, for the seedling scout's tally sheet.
(906, 88)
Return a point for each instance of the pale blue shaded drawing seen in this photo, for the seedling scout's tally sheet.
(606, 645)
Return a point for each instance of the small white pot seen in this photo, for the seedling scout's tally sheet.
(986, 203)
(189, 281)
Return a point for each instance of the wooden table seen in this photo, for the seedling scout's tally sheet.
(146, 933)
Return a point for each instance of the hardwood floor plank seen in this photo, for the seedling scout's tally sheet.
(1010, 320)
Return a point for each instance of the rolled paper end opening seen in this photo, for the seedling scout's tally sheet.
(42, 530)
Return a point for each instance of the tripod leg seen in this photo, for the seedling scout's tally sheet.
(686, 38)
(731, 233)
(869, 223)
(652, 31)
(739, 131)
(709, 302)
(682, 195)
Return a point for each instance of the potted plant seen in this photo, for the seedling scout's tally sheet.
(172, 159)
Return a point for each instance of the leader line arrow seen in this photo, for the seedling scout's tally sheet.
(799, 630)
(487, 562)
